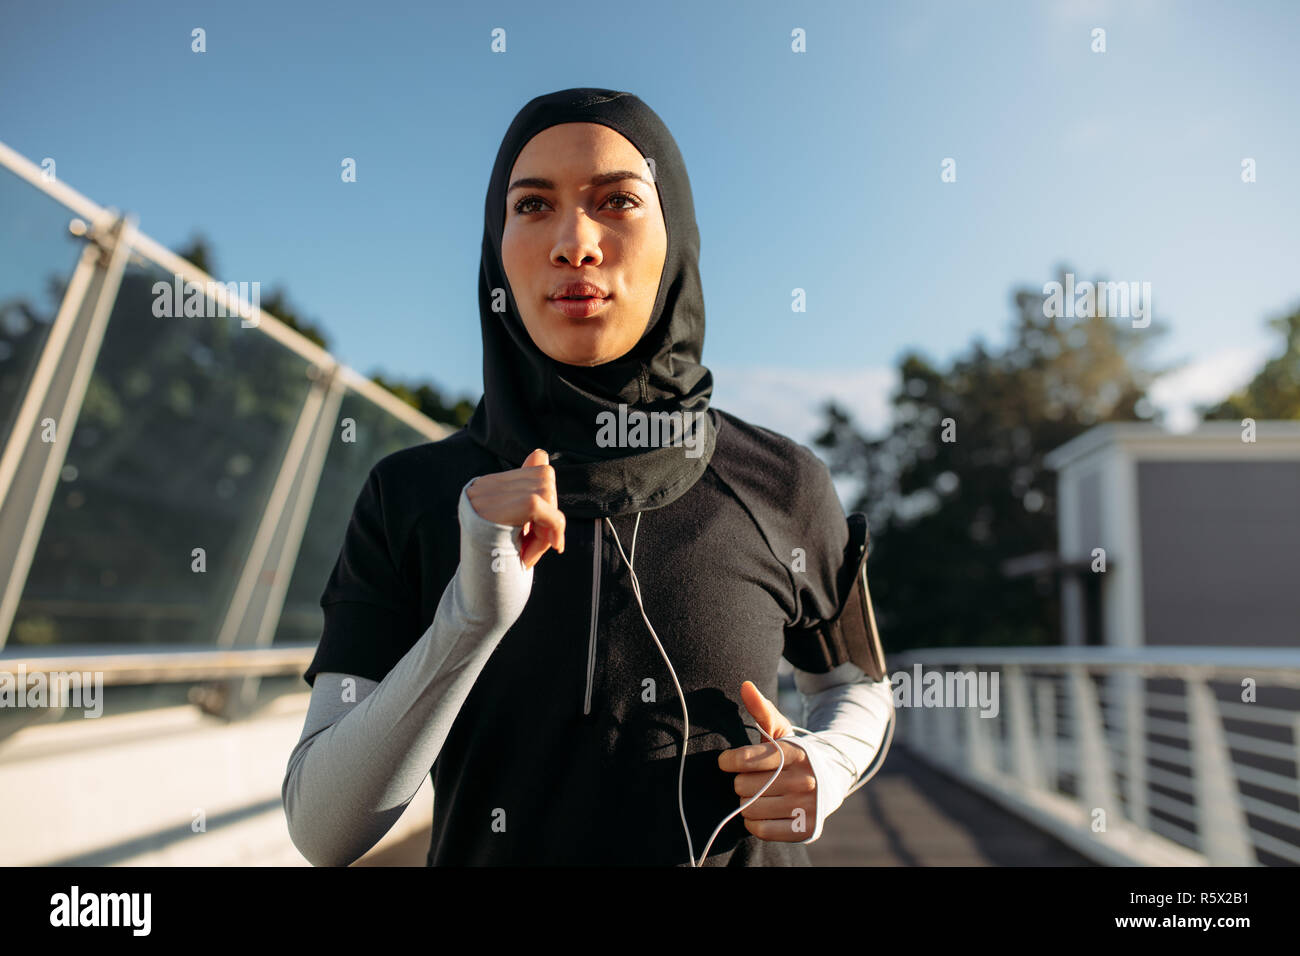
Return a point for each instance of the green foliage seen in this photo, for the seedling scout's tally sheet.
(945, 515)
(277, 304)
(429, 400)
(1275, 391)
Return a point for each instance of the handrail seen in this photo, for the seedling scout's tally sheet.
(164, 664)
(190, 665)
(56, 189)
(267, 324)
(1283, 663)
(1078, 758)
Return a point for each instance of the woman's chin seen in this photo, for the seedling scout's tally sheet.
(585, 360)
(583, 350)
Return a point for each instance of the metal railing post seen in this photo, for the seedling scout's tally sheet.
(1047, 740)
(30, 466)
(979, 744)
(1220, 819)
(283, 559)
(1131, 688)
(258, 596)
(1096, 780)
(1024, 760)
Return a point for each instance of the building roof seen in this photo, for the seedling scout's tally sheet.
(1274, 439)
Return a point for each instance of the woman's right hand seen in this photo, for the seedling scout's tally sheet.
(524, 497)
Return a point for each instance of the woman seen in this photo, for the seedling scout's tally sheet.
(534, 657)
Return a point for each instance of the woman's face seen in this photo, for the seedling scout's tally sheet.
(568, 220)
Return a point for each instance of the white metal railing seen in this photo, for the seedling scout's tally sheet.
(160, 664)
(242, 641)
(1133, 757)
(101, 218)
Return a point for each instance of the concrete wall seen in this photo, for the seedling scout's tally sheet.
(123, 791)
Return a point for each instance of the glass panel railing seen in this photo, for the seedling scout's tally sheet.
(373, 434)
(179, 440)
(37, 257)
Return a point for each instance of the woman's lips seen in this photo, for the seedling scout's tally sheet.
(580, 308)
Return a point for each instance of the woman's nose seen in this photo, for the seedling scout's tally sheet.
(578, 240)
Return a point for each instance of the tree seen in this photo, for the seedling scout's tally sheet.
(423, 396)
(199, 252)
(277, 304)
(957, 486)
(1274, 392)
(429, 400)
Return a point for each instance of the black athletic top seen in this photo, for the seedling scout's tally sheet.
(567, 750)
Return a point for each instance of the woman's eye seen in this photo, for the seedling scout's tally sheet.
(629, 197)
(523, 205)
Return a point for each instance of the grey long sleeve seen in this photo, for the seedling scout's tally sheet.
(849, 713)
(367, 747)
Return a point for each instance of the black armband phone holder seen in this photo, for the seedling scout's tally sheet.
(851, 634)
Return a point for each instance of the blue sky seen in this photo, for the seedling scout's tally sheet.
(818, 170)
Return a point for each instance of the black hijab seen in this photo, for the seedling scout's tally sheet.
(532, 401)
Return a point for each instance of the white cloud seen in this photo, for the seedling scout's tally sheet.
(1204, 381)
(789, 401)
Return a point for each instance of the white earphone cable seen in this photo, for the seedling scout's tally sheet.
(686, 732)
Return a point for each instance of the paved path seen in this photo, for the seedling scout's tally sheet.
(912, 815)
(908, 815)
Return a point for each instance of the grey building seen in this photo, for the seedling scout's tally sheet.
(1198, 535)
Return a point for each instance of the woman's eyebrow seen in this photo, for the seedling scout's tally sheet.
(600, 179)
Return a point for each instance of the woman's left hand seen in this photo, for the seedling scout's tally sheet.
(787, 810)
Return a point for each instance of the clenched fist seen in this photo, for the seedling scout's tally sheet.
(524, 497)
